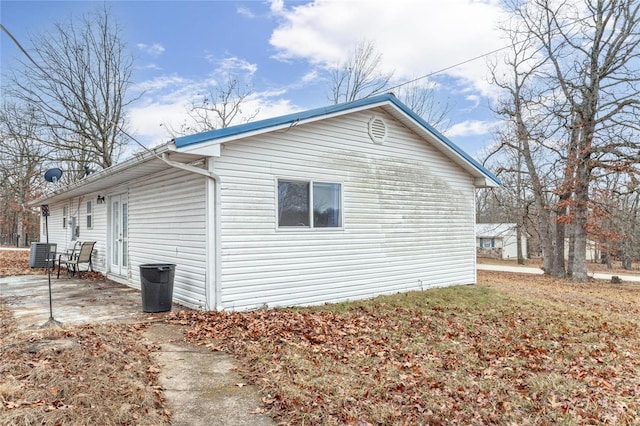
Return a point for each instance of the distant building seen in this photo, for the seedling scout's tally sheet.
(498, 240)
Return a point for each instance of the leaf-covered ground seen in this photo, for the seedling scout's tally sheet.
(16, 262)
(515, 349)
(512, 350)
(99, 374)
(85, 375)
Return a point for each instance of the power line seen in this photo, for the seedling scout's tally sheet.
(559, 27)
(20, 47)
(449, 67)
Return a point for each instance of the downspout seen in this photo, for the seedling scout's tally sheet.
(213, 244)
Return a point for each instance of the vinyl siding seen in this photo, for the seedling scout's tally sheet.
(167, 225)
(408, 216)
(62, 236)
(166, 214)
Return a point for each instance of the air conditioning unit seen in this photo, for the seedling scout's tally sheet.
(40, 253)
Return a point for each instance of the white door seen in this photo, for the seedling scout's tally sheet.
(119, 235)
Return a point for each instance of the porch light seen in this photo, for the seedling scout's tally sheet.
(100, 199)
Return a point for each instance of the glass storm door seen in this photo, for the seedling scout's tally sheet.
(119, 235)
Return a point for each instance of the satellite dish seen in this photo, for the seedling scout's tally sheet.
(53, 175)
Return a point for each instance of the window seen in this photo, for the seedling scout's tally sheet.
(309, 204)
(89, 214)
(65, 213)
(487, 242)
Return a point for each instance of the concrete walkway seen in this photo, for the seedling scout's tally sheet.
(529, 270)
(201, 386)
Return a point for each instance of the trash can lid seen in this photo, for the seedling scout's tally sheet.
(158, 266)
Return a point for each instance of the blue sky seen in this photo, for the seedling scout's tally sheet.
(285, 48)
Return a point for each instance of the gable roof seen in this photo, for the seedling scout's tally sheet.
(492, 230)
(193, 147)
(388, 102)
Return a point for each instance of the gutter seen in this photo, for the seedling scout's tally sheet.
(213, 273)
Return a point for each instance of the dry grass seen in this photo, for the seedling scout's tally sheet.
(85, 375)
(515, 349)
(94, 374)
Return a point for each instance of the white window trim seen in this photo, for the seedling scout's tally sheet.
(309, 228)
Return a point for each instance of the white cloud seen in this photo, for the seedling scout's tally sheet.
(155, 49)
(166, 100)
(310, 76)
(246, 12)
(234, 64)
(277, 6)
(415, 37)
(471, 128)
(150, 66)
(475, 99)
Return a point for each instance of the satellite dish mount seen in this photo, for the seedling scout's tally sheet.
(53, 176)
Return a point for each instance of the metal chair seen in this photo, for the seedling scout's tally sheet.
(69, 254)
(73, 262)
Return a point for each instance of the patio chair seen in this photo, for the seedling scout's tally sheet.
(82, 256)
(70, 254)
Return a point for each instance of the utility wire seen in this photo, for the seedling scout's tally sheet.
(449, 67)
(20, 47)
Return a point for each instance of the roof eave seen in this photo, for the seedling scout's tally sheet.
(115, 175)
(483, 178)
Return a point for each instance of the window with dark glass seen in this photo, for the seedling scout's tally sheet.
(89, 214)
(309, 204)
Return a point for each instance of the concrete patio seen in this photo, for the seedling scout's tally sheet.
(199, 385)
(74, 301)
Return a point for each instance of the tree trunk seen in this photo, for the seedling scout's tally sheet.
(580, 228)
(607, 257)
(558, 253)
(546, 243)
(519, 248)
(572, 252)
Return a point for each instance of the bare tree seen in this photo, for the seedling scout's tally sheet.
(422, 101)
(221, 107)
(592, 52)
(21, 165)
(615, 221)
(360, 76)
(525, 128)
(77, 84)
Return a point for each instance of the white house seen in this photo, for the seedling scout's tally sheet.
(332, 204)
(499, 240)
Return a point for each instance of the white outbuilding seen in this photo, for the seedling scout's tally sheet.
(499, 240)
(339, 203)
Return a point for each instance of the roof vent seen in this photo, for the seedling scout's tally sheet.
(377, 130)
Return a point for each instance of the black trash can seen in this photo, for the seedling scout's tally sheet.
(156, 281)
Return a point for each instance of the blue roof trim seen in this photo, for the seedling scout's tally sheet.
(211, 135)
(276, 121)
